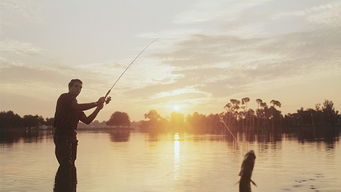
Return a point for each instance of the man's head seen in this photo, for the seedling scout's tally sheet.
(75, 87)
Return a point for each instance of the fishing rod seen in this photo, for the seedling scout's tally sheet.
(223, 122)
(137, 56)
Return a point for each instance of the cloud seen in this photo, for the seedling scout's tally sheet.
(19, 48)
(206, 11)
(203, 50)
(222, 65)
(234, 51)
(176, 92)
(17, 11)
(26, 63)
(328, 13)
(22, 74)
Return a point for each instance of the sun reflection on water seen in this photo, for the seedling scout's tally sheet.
(176, 155)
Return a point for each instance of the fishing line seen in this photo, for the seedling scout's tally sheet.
(137, 56)
(229, 130)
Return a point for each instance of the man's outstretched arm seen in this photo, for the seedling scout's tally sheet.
(87, 106)
(92, 116)
(84, 106)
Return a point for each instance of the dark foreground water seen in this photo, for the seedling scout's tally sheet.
(132, 161)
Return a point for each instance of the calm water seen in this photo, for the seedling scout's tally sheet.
(171, 162)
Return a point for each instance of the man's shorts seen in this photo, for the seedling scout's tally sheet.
(66, 148)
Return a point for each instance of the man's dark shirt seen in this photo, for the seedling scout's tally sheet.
(66, 118)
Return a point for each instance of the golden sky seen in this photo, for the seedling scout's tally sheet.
(208, 53)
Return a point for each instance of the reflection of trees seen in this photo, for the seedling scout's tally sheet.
(153, 136)
(27, 135)
(119, 135)
(11, 136)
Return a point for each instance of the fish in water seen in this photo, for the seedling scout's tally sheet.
(246, 172)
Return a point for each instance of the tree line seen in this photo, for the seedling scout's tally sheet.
(10, 119)
(237, 116)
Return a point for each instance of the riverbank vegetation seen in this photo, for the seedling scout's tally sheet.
(237, 116)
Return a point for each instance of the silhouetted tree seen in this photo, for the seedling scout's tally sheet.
(119, 119)
(196, 122)
(235, 107)
(49, 121)
(155, 122)
(177, 120)
(259, 101)
(245, 100)
(330, 115)
(153, 116)
(275, 103)
(33, 121)
(10, 120)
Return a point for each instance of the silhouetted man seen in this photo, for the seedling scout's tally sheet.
(68, 113)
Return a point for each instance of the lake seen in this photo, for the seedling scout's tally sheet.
(135, 161)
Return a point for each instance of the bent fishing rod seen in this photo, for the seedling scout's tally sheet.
(137, 56)
(226, 127)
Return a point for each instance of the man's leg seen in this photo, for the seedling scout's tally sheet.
(63, 150)
(74, 150)
(66, 179)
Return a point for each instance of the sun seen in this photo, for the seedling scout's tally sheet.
(176, 108)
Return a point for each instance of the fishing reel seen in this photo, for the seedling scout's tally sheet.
(107, 100)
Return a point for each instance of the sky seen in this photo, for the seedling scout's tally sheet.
(207, 52)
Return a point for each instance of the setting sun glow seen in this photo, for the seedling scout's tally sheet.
(177, 108)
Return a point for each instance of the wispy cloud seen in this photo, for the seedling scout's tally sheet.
(221, 65)
(20, 48)
(206, 11)
(329, 13)
(16, 11)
